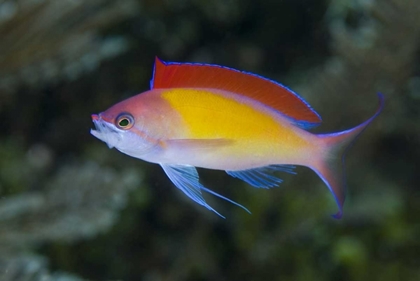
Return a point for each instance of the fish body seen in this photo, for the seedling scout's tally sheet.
(219, 118)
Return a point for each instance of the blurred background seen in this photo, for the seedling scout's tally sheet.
(71, 209)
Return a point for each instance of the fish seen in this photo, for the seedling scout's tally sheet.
(215, 117)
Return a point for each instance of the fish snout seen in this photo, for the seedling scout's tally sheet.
(105, 131)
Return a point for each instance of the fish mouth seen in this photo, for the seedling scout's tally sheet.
(105, 131)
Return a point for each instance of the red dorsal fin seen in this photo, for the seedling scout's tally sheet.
(268, 92)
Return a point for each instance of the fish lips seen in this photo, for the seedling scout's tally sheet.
(105, 131)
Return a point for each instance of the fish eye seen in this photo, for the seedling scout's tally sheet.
(124, 121)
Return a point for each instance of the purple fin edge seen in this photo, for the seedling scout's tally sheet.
(301, 124)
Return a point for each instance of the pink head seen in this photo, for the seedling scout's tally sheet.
(123, 126)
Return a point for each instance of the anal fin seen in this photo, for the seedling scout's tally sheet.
(262, 177)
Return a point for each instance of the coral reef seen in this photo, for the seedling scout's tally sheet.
(45, 41)
(79, 202)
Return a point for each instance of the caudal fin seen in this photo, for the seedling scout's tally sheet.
(330, 168)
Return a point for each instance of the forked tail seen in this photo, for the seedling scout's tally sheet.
(329, 168)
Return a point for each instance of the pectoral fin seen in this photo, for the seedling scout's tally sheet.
(198, 144)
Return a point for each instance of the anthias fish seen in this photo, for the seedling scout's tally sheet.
(214, 117)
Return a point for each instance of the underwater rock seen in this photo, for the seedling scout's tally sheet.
(374, 46)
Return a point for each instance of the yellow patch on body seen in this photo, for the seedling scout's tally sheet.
(212, 115)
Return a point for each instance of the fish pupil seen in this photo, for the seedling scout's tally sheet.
(124, 122)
